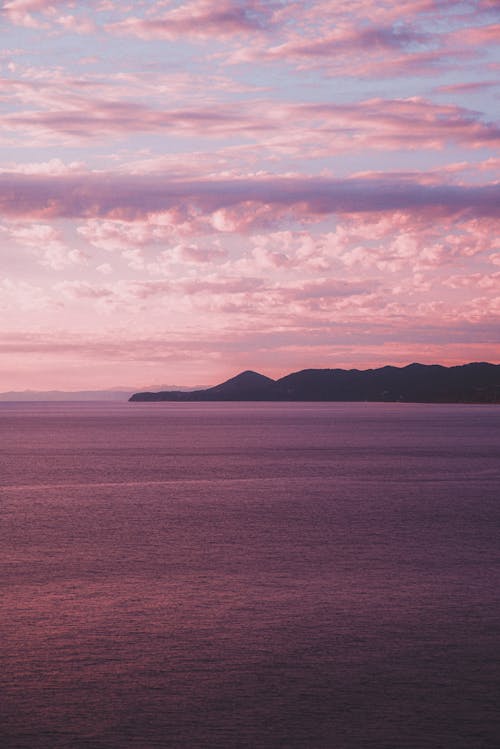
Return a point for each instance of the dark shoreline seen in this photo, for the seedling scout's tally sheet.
(415, 383)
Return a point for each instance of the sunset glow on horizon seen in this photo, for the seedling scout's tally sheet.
(191, 189)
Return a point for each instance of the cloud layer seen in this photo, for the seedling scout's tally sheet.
(249, 184)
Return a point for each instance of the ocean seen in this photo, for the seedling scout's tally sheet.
(198, 575)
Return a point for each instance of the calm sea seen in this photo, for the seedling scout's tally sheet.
(320, 576)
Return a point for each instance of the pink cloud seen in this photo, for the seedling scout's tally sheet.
(328, 288)
(386, 122)
(199, 18)
(374, 40)
(84, 290)
(76, 24)
(465, 88)
(295, 128)
(52, 167)
(30, 5)
(148, 231)
(475, 280)
(348, 61)
(137, 196)
(21, 295)
(92, 119)
(397, 242)
(349, 39)
(193, 253)
(126, 292)
(44, 101)
(217, 285)
(478, 35)
(115, 236)
(46, 245)
(19, 11)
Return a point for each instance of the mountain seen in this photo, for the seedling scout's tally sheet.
(247, 386)
(113, 394)
(65, 395)
(416, 383)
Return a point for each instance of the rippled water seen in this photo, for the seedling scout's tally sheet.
(249, 575)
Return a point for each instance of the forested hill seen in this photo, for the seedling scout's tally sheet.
(416, 383)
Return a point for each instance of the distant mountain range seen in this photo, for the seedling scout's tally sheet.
(113, 394)
(416, 383)
(65, 395)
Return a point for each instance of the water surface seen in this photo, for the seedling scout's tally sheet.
(249, 575)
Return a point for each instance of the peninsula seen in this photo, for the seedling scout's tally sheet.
(416, 383)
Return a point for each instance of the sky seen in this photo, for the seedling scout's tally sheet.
(191, 189)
